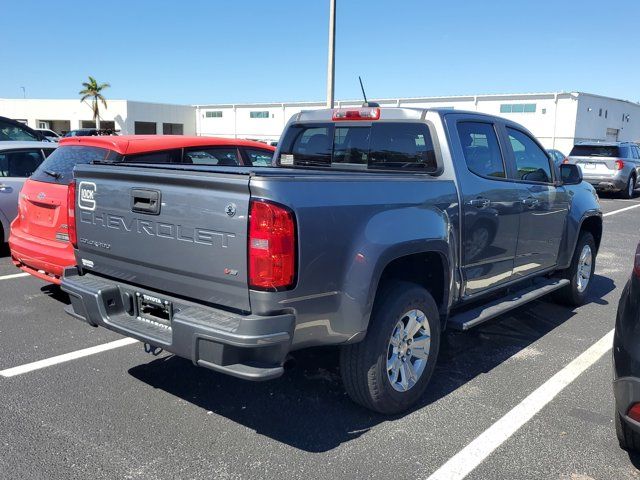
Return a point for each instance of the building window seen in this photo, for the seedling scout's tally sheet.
(213, 114)
(600, 112)
(87, 124)
(518, 108)
(264, 114)
(172, 129)
(145, 128)
(606, 113)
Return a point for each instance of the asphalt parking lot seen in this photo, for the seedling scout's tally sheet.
(122, 413)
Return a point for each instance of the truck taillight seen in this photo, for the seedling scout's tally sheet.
(272, 246)
(619, 164)
(365, 113)
(71, 213)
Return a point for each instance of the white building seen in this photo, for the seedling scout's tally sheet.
(125, 116)
(558, 119)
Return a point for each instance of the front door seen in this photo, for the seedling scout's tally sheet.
(490, 204)
(15, 167)
(544, 205)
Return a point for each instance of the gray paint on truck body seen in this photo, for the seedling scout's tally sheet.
(350, 226)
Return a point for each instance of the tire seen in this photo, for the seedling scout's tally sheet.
(574, 294)
(630, 188)
(363, 365)
(627, 438)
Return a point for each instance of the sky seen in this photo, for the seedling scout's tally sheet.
(238, 51)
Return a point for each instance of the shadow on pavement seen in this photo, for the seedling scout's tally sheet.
(308, 409)
(54, 291)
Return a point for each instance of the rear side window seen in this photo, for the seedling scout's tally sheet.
(259, 158)
(20, 164)
(58, 167)
(481, 149)
(392, 146)
(532, 163)
(595, 151)
(164, 156)
(223, 157)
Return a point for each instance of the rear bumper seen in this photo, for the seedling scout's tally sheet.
(42, 258)
(246, 346)
(607, 183)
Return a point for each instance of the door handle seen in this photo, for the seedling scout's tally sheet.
(479, 202)
(530, 202)
(145, 201)
(5, 188)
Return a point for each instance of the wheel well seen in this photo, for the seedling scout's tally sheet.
(426, 269)
(593, 225)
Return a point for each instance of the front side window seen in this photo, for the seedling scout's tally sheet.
(220, 156)
(532, 163)
(371, 146)
(58, 167)
(19, 164)
(259, 158)
(481, 149)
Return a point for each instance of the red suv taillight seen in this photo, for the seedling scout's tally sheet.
(619, 164)
(272, 246)
(71, 213)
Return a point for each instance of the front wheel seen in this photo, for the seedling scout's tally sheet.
(580, 272)
(390, 369)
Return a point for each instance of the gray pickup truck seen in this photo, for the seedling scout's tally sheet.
(378, 228)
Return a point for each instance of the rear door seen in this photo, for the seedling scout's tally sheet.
(490, 203)
(544, 205)
(15, 167)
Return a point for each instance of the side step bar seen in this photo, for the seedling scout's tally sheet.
(470, 318)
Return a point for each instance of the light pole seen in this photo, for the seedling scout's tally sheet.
(331, 67)
(24, 92)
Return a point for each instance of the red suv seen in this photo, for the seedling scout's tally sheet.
(39, 238)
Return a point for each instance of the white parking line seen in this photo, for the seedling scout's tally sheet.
(621, 210)
(47, 362)
(467, 459)
(14, 275)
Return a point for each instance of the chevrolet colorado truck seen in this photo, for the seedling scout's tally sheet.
(377, 229)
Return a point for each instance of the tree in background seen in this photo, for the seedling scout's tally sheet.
(93, 91)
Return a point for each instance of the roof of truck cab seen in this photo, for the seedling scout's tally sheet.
(132, 144)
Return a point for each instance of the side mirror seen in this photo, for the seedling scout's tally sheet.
(570, 174)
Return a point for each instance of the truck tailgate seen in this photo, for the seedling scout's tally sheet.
(171, 230)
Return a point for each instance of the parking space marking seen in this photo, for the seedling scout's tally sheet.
(467, 459)
(14, 275)
(47, 362)
(621, 210)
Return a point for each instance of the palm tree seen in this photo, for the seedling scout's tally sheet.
(93, 90)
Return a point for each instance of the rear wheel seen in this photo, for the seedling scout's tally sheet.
(579, 272)
(627, 438)
(630, 188)
(390, 369)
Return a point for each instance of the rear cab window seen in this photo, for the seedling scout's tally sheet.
(370, 146)
(58, 167)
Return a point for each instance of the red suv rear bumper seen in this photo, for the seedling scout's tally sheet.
(42, 258)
